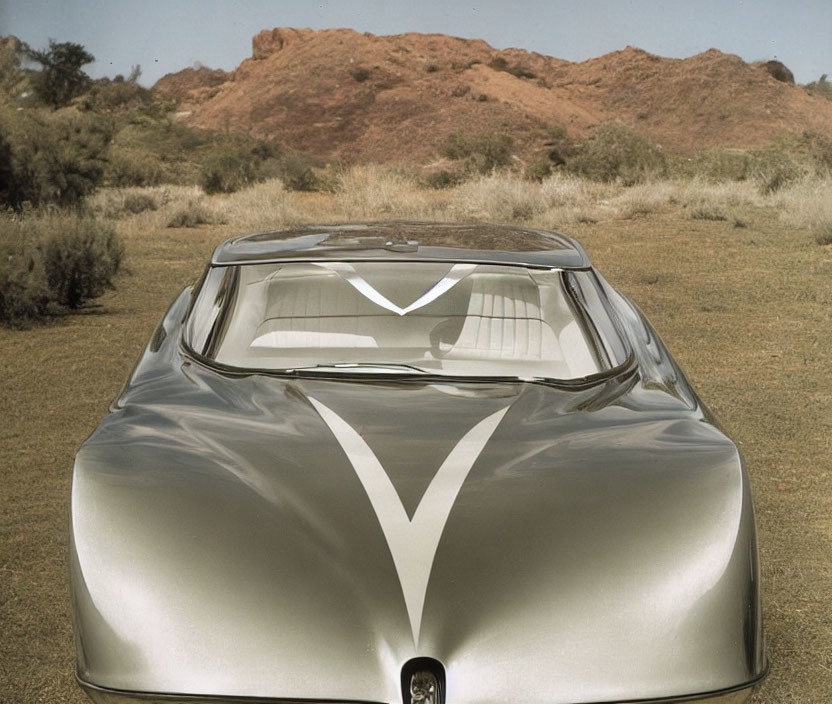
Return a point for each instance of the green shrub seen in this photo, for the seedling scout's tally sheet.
(298, 174)
(791, 158)
(773, 168)
(80, 260)
(118, 95)
(483, 152)
(24, 295)
(56, 158)
(615, 152)
(716, 165)
(133, 167)
(539, 168)
(227, 170)
(443, 178)
(498, 63)
(47, 262)
(559, 145)
(235, 162)
(192, 215)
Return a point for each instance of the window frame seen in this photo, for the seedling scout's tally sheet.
(577, 303)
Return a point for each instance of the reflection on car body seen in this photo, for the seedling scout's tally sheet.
(411, 462)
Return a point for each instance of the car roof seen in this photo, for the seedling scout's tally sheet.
(407, 241)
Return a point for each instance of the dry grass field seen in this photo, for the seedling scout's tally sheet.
(736, 283)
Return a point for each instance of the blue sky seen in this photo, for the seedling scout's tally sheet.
(168, 36)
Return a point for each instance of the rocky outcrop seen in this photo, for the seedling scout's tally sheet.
(345, 95)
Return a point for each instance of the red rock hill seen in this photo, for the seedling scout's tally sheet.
(340, 94)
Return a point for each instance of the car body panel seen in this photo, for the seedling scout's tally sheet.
(600, 546)
(392, 241)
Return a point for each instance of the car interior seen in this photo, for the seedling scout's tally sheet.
(465, 319)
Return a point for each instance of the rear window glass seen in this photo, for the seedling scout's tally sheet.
(441, 318)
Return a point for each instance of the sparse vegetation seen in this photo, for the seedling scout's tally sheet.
(136, 203)
(481, 153)
(193, 214)
(745, 311)
(498, 63)
(615, 152)
(50, 158)
(118, 95)
(49, 262)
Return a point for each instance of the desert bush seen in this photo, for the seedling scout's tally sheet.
(773, 168)
(812, 147)
(701, 199)
(644, 198)
(24, 294)
(136, 203)
(705, 211)
(80, 259)
(498, 198)
(226, 170)
(716, 165)
(298, 174)
(442, 174)
(807, 204)
(482, 153)
(56, 158)
(132, 167)
(118, 94)
(52, 261)
(235, 162)
(193, 214)
(262, 206)
(115, 203)
(147, 151)
(498, 63)
(615, 152)
(790, 159)
(539, 168)
(442, 178)
(373, 191)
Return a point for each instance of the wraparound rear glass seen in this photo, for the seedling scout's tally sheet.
(456, 319)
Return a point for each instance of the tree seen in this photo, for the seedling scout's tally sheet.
(61, 78)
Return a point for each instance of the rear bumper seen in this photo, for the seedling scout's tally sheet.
(103, 695)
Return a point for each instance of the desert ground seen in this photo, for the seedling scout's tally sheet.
(741, 295)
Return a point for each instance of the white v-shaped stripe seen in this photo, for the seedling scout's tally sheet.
(412, 543)
(351, 276)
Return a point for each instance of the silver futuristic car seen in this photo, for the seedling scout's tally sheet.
(411, 463)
